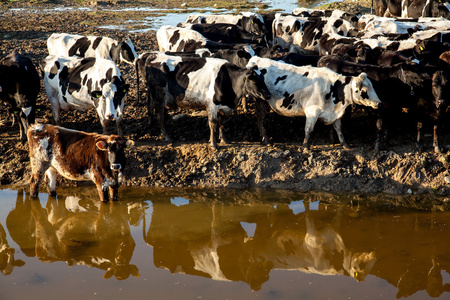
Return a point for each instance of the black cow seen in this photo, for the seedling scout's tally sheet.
(210, 83)
(399, 86)
(19, 88)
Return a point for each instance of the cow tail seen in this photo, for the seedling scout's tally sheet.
(136, 65)
(371, 8)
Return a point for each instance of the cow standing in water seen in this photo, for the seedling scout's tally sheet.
(76, 155)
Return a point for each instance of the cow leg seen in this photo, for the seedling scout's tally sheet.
(104, 123)
(244, 104)
(155, 105)
(102, 192)
(437, 149)
(338, 127)
(419, 137)
(119, 123)
(309, 127)
(213, 133)
(222, 137)
(381, 136)
(261, 111)
(23, 125)
(114, 193)
(56, 109)
(37, 177)
(50, 176)
(35, 183)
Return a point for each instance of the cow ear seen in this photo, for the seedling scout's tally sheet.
(358, 81)
(102, 145)
(129, 144)
(96, 94)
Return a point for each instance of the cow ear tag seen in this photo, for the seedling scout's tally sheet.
(421, 48)
(101, 145)
(129, 144)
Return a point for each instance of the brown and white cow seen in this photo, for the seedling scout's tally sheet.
(76, 155)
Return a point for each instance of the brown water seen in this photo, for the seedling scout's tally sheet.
(221, 244)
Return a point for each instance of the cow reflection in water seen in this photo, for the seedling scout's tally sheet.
(85, 236)
(7, 260)
(215, 241)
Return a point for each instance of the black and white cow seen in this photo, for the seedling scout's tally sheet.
(298, 34)
(141, 61)
(64, 44)
(19, 88)
(317, 93)
(179, 39)
(85, 83)
(200, 83)
(251, 22)
(226, 33)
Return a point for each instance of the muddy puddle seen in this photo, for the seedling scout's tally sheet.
(221, 244)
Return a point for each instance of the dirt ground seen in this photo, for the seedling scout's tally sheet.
(189, 161)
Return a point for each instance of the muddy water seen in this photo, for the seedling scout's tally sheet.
(220, 244)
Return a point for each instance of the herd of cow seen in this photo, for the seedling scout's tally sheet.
(312, 63)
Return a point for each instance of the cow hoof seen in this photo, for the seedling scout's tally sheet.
(52, 194)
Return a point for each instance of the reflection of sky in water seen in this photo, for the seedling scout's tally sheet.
(173, 18)
(154, 22)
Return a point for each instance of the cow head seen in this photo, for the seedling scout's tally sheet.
(109, 101)
(253, 23)
(115, 147)
(255, 86)
(363, 92)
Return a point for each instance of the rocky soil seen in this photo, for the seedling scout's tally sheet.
(245, 162)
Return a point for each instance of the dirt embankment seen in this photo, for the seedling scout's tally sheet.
(245, 162)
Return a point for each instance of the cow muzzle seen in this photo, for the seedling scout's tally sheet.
(110, 116)
(116, 166)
